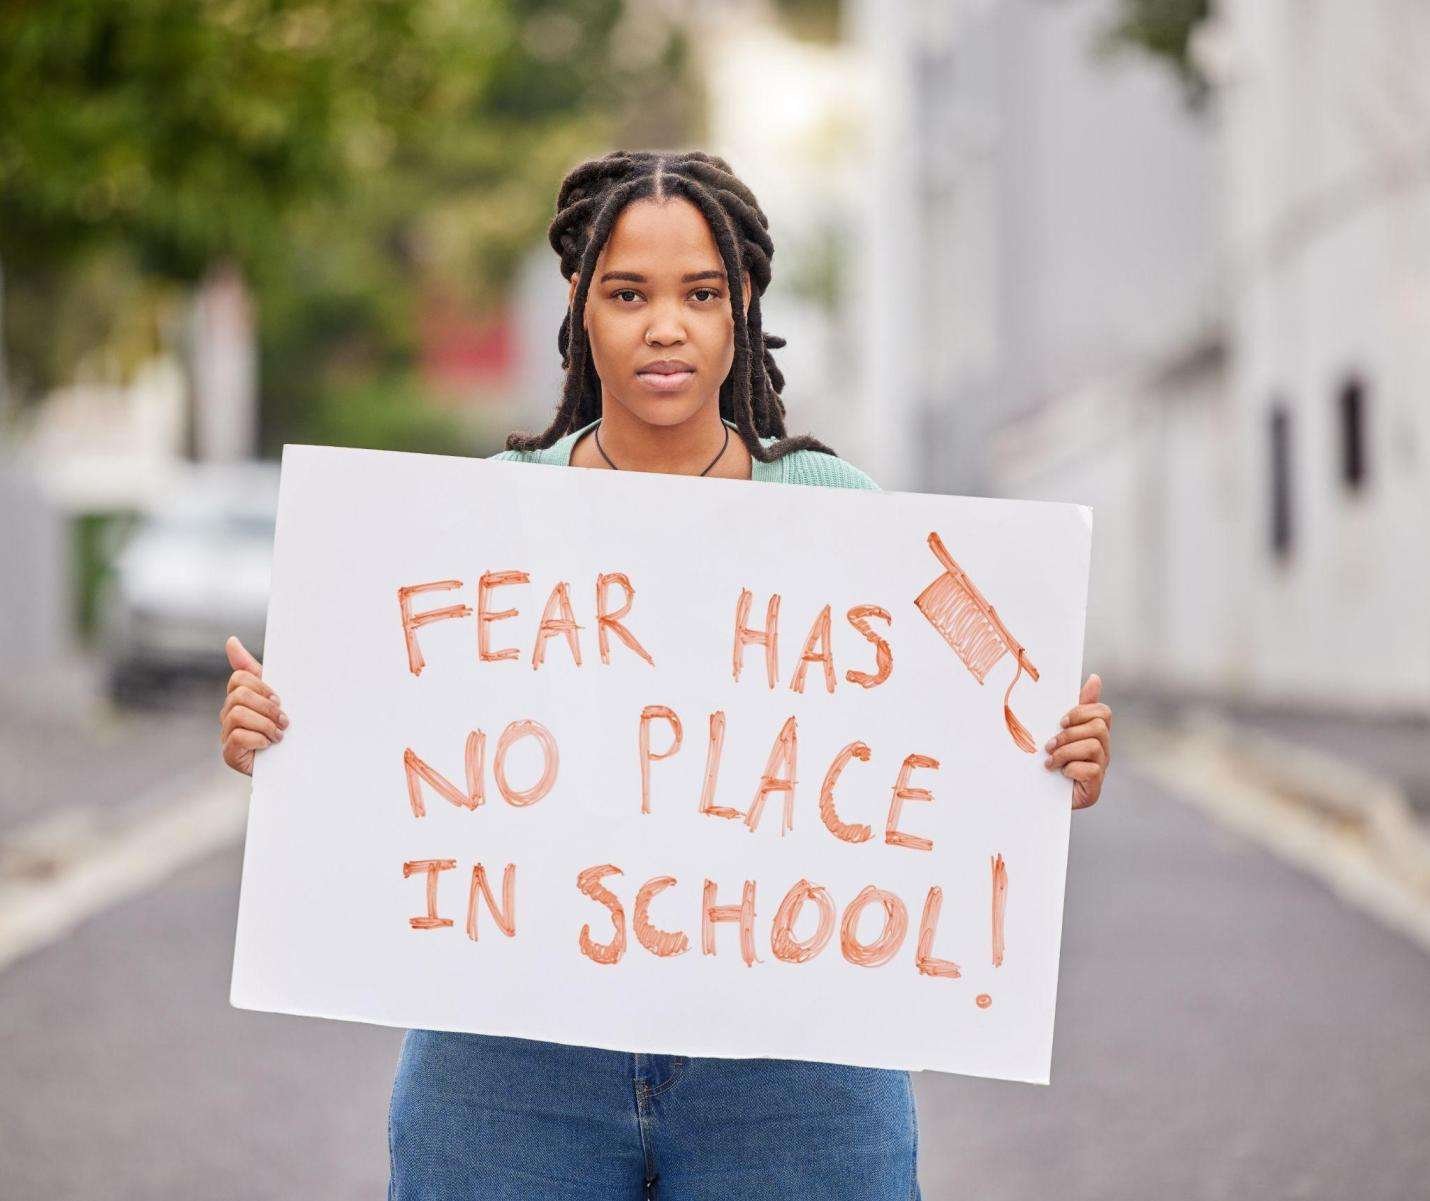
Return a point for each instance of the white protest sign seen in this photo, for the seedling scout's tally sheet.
(665, 764)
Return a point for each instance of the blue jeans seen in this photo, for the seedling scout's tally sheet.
(484, 1118)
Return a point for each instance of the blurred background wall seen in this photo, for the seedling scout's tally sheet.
(1166, 259)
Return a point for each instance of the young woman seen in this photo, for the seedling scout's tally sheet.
(668, 368)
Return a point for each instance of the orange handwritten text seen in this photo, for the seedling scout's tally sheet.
(505, 916)
(819, 635)
(778, 777)
(418, 771)
(744, 913)
(928, 931)
(883, 657)
(1000, 903)
(485, 615)
(431, 866)
(856, 832)
(903, 792)
(787, 947)
(663, 943)
(649, 714)
(544, 783)
(589, 882)
(767, 637)
(891, 937)
(782, 940)
(818, 644)
(712, 770)
(558, 617)
(411, 624)
(607, 621)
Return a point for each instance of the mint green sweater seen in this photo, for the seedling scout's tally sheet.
(809, 467)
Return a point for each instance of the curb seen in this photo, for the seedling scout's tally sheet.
(1348, 826)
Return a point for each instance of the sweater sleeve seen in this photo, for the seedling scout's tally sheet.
(813, 467)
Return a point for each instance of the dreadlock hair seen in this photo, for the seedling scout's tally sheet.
(591, 198)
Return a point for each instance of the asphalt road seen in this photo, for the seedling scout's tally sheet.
(1226, 1029)
(110, 756)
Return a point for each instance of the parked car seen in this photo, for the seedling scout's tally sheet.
(195, 569)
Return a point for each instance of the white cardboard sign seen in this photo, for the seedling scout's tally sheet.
(804, 828)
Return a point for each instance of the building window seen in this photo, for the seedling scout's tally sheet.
(1281, 528)
(1353, 406)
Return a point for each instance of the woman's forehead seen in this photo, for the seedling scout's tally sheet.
(660, 239)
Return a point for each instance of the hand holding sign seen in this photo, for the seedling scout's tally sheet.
(1083, 748)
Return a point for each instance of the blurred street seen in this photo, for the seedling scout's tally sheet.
(1227, 1027)
(104, 757)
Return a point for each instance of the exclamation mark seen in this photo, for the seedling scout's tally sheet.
(1000, 902)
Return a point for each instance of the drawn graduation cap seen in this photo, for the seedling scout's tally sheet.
(972, 627)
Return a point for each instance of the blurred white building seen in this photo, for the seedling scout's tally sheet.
(1213, 330)
(1324, 110)
(1033, 219)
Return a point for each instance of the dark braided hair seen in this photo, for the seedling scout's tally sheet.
(591, 198)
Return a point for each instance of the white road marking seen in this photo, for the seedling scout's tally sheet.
(63, 869)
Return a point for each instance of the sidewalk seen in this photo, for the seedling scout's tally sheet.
(1394, 748)
(1345, 798)
(97, 801)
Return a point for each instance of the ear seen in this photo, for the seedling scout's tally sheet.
(745, 276)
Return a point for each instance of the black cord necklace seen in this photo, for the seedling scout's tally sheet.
(724, 447)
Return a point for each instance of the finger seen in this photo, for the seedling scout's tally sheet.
(239, 657)
(259, 703)
(1086, 750)
(238, 744)
(1087, 777)
(1091, 690)
(1082, 799)
(241, 678)
(1096, 728)
(240, 717)
(1081, 713)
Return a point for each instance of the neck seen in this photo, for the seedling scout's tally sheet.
(684, 449)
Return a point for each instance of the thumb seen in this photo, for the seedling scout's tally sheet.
(1091, 691)
(239, 658)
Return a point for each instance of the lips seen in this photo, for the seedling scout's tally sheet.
(666, 375)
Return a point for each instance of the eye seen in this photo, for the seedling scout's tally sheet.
(714, 292)
(620, 292)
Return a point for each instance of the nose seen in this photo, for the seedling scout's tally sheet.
(666, 327)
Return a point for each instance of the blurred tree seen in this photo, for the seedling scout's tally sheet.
(345, 154)
(812, 20)
(1164, 29)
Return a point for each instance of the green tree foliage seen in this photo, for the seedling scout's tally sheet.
(350, 155)
(1163, 29)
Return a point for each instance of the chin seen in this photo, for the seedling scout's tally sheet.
(667, 411)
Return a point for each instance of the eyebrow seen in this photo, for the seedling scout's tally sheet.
(636, 278)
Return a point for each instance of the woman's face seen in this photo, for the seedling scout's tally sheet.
(659, 293)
